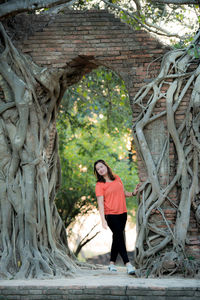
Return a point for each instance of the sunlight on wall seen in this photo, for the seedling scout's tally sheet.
(102, 242)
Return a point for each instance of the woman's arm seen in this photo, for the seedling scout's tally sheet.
(100, 201)
(134, 193)
(128, 194)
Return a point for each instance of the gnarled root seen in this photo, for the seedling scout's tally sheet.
(160, 244)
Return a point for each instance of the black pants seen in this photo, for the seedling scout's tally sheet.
(117, 223)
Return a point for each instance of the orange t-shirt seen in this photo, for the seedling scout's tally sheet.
(114, 197)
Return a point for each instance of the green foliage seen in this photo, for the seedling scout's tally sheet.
(194, 51)
(94, 123)
(179, 19)
(155, 11)
(101, 93)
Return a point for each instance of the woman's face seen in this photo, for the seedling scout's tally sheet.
(101, 169)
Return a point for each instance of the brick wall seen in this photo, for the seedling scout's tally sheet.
(79, 41)
(108, 289)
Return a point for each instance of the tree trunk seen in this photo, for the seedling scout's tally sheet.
(33, 241)
(161, 250)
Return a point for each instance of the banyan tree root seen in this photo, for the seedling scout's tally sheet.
(169, 263)
(33, 241)
(161, 249)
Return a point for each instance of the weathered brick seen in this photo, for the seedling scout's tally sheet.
(55, 291)
(97, 291)
(11, 297)
(182, 292)
(181, 298)
(10, 291)
(33, 297)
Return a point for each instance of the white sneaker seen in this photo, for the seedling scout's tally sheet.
(130, 269)
(112, 268)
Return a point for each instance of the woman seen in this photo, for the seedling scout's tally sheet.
(111, 200)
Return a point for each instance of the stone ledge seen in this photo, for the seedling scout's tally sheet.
(103, 285)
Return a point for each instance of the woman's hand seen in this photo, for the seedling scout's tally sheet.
(104, 224)
(137, 188)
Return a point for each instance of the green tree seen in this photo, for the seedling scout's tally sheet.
(94, 122)
(175, 21)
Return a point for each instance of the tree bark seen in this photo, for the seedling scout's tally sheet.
(33, 237)
(162, 250)
(15, 7)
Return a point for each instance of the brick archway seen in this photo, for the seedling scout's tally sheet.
(94, 38)
(79, 41)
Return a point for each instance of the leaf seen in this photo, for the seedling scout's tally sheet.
(78, 89)
(85, 93)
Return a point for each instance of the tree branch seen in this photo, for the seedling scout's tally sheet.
(138, 4)
(178, 2)
(147, 25)
(15, 7)
(86, 240)
(57, 9)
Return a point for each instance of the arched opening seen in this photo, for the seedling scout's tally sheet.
(94, 122)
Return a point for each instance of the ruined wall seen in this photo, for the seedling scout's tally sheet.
(80, 41)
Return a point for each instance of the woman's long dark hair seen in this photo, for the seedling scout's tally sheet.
(98, 176)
